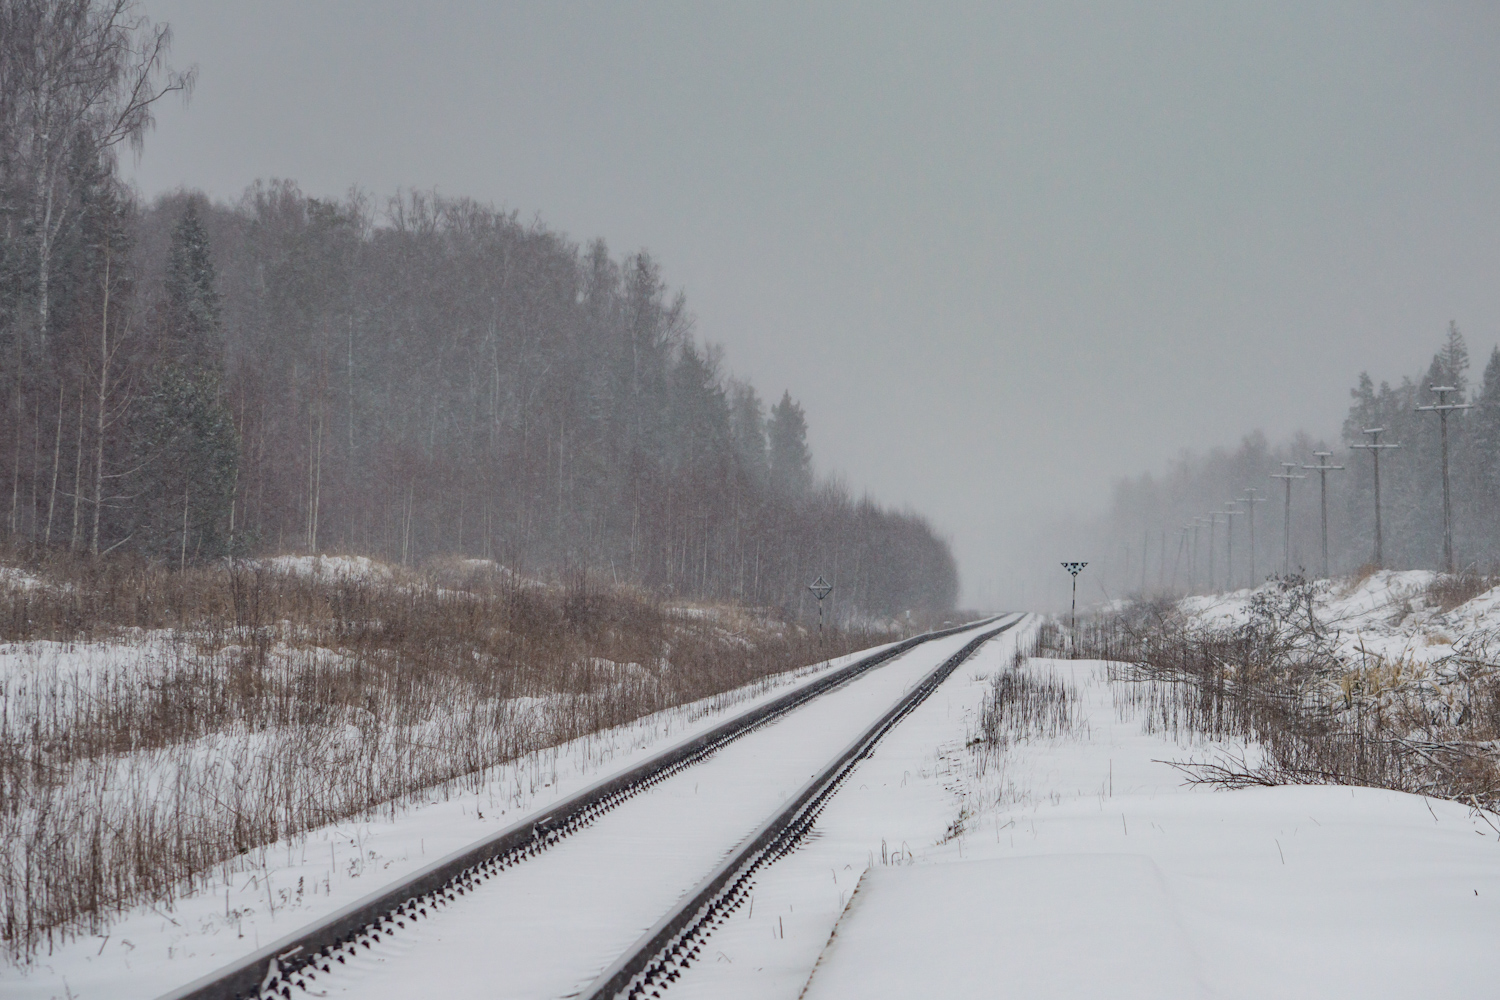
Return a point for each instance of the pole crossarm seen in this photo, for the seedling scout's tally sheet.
(1442, 405)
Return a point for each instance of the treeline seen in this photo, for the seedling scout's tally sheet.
(1147, 541)
(431, 377)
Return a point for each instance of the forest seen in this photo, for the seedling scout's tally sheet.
(1147, 539)
(413, 377)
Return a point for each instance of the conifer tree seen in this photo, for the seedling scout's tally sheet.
(791, 463)
(187, 450)
(190, 322)
(747, 423)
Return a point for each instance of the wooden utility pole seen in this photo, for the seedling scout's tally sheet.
(1286, 529)
(1229, 546)
(1442, 408)
(1250, 500)
(1323, 469)
(1374, 447)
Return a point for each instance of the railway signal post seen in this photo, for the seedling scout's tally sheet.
(820, 588)
(1074, 568)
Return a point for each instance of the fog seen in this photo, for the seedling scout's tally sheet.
(1003, 255)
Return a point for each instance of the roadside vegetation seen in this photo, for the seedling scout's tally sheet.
(1319, 697)
(155, 724)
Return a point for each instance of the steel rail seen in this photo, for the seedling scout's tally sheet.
(658, 958)
(294, 961)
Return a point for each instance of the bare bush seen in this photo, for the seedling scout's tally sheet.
(1279, 680)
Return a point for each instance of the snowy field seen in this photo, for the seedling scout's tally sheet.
(1074, 865)
(1088, 869)
(1083, 866)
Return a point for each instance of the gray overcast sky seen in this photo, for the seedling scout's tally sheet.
(1002, 253)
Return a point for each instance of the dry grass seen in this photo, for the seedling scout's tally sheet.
(1278, 681)
(1448, 590)
(1020, 706)
(156, 724)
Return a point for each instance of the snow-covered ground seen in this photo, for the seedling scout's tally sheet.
(1071, 866)
(1385, 615)
(548, 927)
(270, 892)
(1083, 866)
(1088, 869)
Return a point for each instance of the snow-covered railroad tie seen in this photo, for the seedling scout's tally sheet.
(385, 935)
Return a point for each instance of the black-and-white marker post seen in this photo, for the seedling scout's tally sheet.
(820, 588)
(1075, 568)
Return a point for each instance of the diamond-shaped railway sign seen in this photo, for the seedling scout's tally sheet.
(820, 587)
(1074, 567)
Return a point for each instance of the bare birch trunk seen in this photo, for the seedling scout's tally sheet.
(77, 473)
(102, 417)
(56, 461)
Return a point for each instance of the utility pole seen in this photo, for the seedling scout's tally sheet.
(1250, 500)
(1323, 469)
(1075, 568)
(1182, 534)
(1374, 447)
(1161, 576)
(1213, 536)
(1286, 529)
(1442, 408)
(1193, 565)
(1229, 547)
(1145, 550)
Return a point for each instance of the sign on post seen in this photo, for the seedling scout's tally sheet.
(820, 588)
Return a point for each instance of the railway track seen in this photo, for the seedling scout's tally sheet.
(392, 921)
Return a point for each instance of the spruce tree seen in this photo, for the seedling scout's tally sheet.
(791, 462)
(190, 322)
(187, 449)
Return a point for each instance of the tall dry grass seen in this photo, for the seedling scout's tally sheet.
(156, 724)
(1280, 681)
